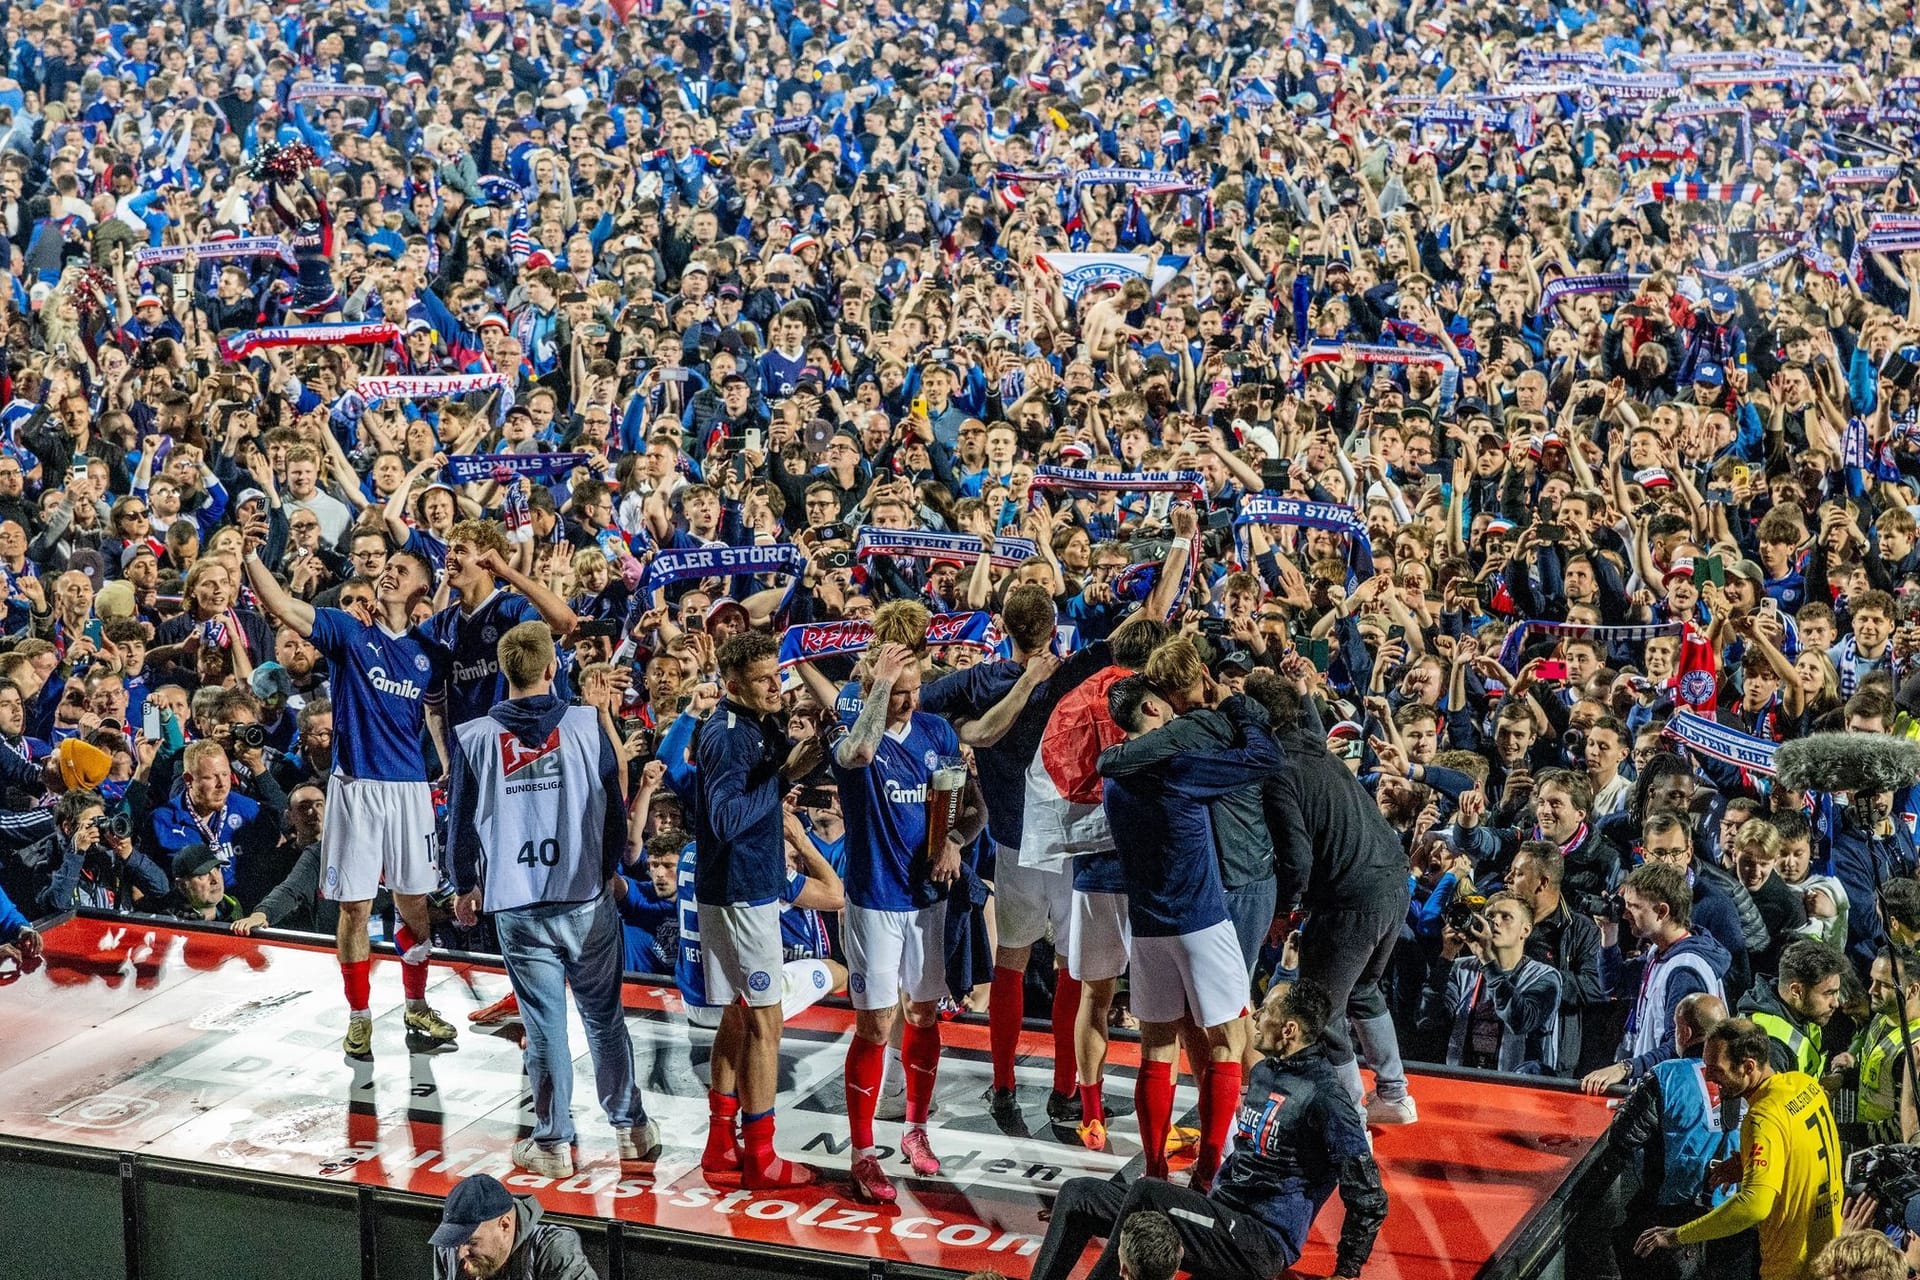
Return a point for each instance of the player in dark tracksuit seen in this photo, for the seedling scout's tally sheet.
(1297, 1139)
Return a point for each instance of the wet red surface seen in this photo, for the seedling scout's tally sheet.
(226, 1051)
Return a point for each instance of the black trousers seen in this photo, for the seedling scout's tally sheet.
(1347, 951)
(1220, 1244)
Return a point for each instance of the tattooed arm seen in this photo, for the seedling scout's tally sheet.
(856, 750)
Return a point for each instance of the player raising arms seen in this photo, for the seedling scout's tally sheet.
(478, 557)
(379, 818)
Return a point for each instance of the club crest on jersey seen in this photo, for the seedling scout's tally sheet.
(489, 635)
(858, 982)
(421, 664)
(517, 757)
(933, 759)
(819, 980)
(760, 980)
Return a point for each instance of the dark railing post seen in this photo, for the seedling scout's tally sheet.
(130, 1213)
(369, 1232)
(616, 1251)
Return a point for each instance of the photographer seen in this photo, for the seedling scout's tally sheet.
(1500, 1009)
(99, 867)
(312, 759)
(1655, 905)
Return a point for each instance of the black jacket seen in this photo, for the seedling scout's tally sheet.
(1307, 1139)
(1570, 942)
(296, 902)
(1332, 849)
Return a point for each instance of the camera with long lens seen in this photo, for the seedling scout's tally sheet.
(248, 736)
(1573, 748)
(117, 826)
(1462, 914)
(1613, 907)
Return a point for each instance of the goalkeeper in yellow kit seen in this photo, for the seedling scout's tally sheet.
(1788, 1166)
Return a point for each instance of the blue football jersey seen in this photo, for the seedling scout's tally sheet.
(470, 652)
(379, 683)
(885, 809)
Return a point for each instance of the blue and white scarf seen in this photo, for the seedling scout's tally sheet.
(466, 468)
(1719, 742)
(932, 544)
(1266, 508)
(1190, 483)
(214, 250)
(426, 386)
(679, 564)
(1609, 636)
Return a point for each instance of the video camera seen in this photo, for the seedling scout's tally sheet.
(1891, 1175)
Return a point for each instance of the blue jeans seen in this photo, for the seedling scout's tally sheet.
(546, 948)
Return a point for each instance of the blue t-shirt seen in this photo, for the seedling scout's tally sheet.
(885, 808)
(970, 693)
(379, 682)
(470, 652)
(642, 913)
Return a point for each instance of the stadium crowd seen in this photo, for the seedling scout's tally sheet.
(1437, 464)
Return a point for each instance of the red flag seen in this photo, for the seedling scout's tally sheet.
(1064, 811)
(1697, 681)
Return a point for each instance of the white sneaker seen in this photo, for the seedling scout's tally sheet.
(893, 1106)
(548, 1162)
(639, 1145)
(1399, 1111)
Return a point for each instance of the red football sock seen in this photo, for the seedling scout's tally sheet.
(353, 973)
(721, 1154)
(920, 1057)
(1093, 1104)
(413, 974)
(1219, 1101)
(1153, 1100)
(763, 1170)
(866, 1065)
(1005, 1009)
(1066, 1009)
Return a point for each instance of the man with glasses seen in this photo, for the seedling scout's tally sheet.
(14, 503)
(15, 570)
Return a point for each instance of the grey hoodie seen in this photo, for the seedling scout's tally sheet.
(541, 1250)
